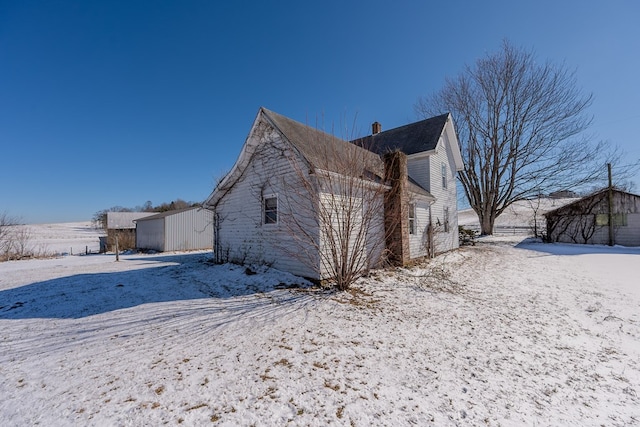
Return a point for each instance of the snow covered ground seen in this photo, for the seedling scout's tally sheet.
(62, 238)
(495, 334)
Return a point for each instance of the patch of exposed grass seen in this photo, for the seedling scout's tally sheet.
(198, 406)
(283, 362)
(334, 387)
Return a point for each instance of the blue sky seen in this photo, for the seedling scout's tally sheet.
(119, 102)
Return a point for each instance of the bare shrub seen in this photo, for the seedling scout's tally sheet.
(334, 208)
(21, 246)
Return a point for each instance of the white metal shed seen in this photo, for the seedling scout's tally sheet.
(177, 230)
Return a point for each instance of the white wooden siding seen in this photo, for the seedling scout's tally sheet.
(364, 213)
(418, 241)
(150, 234)
(445, 197)
(426, 170)
(418, 169)
(626, 235)
(242, 235)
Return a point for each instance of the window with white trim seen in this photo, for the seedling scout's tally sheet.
(270, 209)
(412, 218)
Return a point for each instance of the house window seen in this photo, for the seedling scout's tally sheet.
(270, 208)
(446, 220)
(444, 175)
(412, 218)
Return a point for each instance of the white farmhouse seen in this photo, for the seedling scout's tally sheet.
(298, 198)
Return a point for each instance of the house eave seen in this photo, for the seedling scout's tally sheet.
(364, 182)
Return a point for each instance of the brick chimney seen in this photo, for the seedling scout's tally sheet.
(396, 215)
(376, 127)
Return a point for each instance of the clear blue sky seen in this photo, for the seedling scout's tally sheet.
(107, 103)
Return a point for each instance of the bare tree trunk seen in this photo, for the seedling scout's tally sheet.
(487, 221)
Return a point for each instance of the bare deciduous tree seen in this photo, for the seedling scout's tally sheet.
(342, 199)
(521, 125)
(15, 239)
(7, 223)
(21, 246)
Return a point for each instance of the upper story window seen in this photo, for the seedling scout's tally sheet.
(270, 209)
(412, 218)
(444, 175)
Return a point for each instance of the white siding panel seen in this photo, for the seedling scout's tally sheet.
(427, 171)
(242, 236)
(418, 241)
(629, 235)
(418, 170)
(189, 230)
(445, 197)
(150, 234)
(368, 224)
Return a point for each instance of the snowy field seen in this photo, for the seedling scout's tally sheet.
(62, 238)
(518, 218)
(495, 334)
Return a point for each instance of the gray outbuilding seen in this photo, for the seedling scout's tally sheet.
(177, 230)
(605, 217)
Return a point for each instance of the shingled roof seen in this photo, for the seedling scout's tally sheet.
(322, 150)
(410, 139)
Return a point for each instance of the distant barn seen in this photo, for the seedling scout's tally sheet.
(177, 230)
(121, 226)
(586, 220)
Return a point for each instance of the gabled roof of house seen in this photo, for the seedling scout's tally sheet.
(323, 150)
(410, 139)
(319, 149)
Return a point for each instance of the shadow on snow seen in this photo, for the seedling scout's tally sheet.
(186, 277)
(575, 249)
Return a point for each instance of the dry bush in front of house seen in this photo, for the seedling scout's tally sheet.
(344, 196)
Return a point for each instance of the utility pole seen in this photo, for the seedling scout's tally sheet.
(610, 205)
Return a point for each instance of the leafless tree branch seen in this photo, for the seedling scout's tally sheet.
(521, 126)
